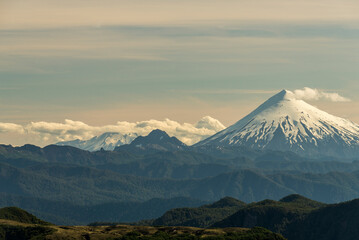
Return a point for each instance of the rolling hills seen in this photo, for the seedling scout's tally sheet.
(11, 229)
(203, 216)
(294, 216)
(43, 180)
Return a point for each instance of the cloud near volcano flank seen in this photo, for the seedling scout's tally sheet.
(315, 94)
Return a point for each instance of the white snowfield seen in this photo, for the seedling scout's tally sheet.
(288, 124)
(107, 141)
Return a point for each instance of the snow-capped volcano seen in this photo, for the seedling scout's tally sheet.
(287, 124)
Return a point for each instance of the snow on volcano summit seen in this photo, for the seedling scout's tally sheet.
(287, 124)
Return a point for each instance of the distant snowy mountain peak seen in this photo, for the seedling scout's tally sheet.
(107, 141)
(288, 124)
(186, 132)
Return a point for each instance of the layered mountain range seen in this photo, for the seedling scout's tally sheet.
(282, 123)
(106, 141)
(285, 146)
(293, 216)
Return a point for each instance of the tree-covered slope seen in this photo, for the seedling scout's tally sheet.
(65, 213)
(19, 215)
(299, 218)
(275, 215)
(202, 216)
(85, 185)
(335, 221)
(29, 227)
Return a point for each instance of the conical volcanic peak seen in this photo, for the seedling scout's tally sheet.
(288, 124)
(282, 98)
(282, 95)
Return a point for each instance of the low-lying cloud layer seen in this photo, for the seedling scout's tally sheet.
(315, 94)
(11, 127)
(52, 132)
(44, 133)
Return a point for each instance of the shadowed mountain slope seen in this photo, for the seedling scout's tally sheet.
(156, 141)
(203, 216)
(19, 215)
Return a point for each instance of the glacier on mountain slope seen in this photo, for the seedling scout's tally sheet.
(287, 124)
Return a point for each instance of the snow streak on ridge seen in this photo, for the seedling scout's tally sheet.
(285, 123)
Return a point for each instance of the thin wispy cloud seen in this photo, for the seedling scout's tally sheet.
(66, 13)
(230, 91)
(11, 127)
(315, 94)
(233, 43)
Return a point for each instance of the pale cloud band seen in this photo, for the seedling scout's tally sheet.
(315, 94)
(52, 132)
(66, 13)
(11, 127)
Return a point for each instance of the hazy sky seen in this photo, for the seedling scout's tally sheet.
(100, 62)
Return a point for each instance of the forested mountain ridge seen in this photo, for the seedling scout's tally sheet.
(294, 216)
(13, 229)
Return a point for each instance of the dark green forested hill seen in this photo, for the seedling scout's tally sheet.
(87, 185)
(65, 213)
(299, 218)
(17, 224)
(294, 216)
(19, 215)
(202, 216)
(275, 215)
(335, 221)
